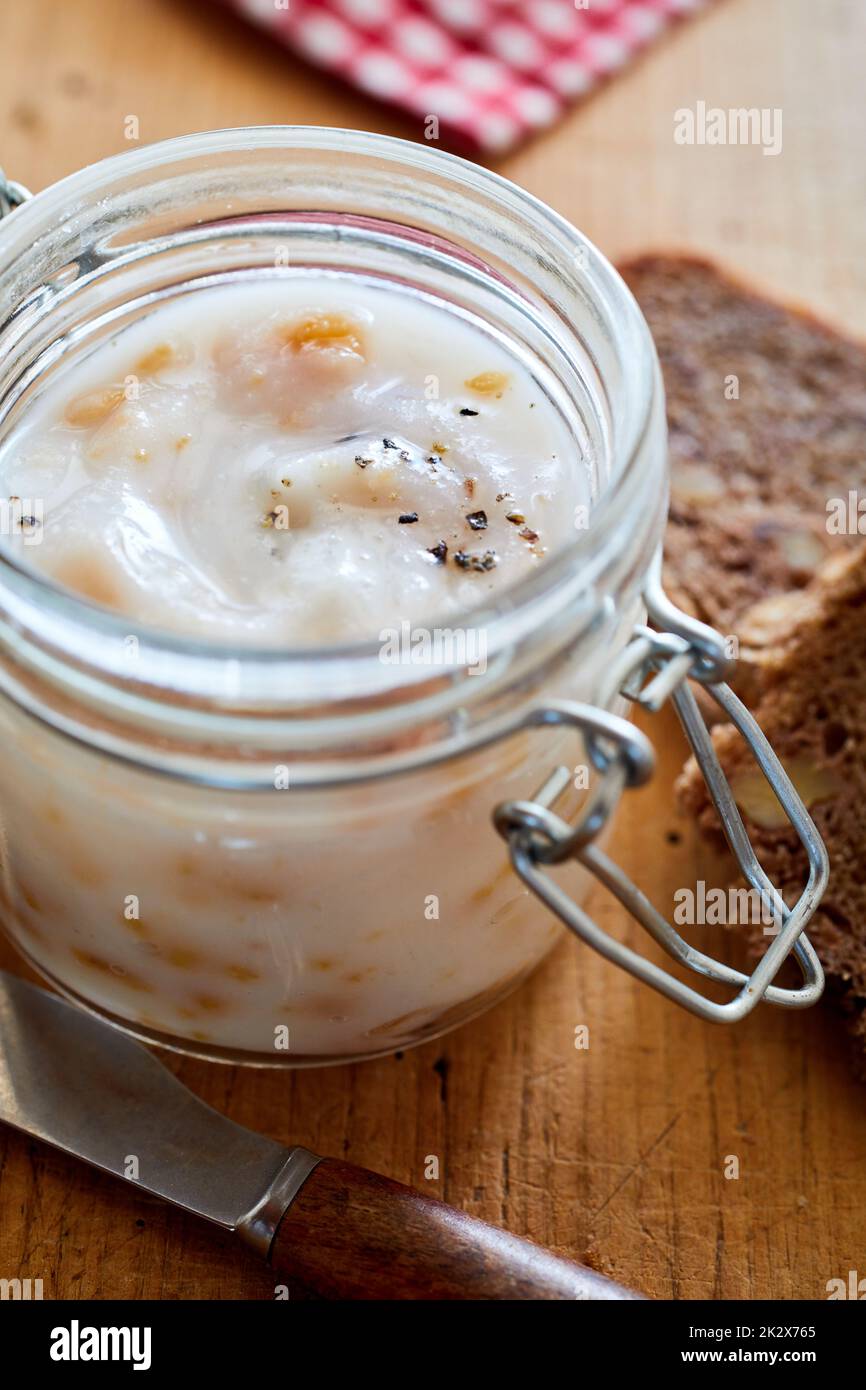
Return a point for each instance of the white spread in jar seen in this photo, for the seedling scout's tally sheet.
(291, 462)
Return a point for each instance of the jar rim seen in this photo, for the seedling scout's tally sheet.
(58, 606)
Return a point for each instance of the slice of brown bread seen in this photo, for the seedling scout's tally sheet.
(767, 420)
(813, 710)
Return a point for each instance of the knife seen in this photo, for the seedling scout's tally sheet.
(329, 1229)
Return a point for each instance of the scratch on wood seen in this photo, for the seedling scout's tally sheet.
(636, 1166)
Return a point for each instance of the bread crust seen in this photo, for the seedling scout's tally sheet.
(749, 550)
(767, 420)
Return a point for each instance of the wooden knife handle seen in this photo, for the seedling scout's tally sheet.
(351, 1234)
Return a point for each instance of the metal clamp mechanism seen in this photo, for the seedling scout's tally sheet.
(654, 667)
(11, 194)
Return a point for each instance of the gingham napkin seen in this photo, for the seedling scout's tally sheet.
(490, 72)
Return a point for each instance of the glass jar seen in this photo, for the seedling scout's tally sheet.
(291, 857)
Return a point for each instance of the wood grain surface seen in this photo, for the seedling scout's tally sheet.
(614, 1155)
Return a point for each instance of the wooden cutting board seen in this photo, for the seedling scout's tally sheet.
(615, 1154)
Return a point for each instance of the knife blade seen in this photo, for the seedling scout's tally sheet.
(69, 1080)
(332, 1229)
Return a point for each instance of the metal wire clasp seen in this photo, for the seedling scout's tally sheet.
(11, 194)
(655, 666)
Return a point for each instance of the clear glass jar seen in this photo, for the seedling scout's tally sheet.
(289, 857)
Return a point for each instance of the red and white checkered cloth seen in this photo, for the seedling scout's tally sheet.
(490, 71)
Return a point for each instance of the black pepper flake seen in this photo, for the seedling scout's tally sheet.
(362, 462)
(439, 551)
(28, 523)
(504, 496)
(517, 517)
(527, 534)
(407, 518)
(467, 411)
(388, 444)
(473, 560)
(477, 520)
